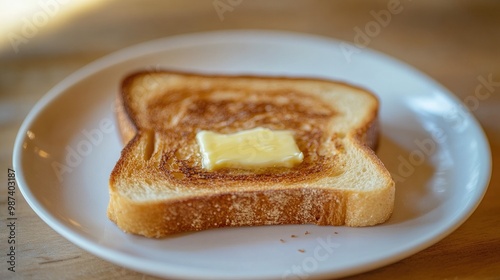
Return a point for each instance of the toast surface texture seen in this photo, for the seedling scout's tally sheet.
(158, 186)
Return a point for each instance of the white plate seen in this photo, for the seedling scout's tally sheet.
(435, 149)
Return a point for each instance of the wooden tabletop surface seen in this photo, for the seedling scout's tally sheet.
(454, 42)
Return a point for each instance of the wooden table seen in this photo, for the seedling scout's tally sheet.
(454, 42)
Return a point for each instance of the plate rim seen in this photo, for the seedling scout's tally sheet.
(157, 45)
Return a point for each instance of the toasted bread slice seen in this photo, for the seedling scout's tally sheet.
(159, 187)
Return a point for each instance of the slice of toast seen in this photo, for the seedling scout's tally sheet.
(159, 187)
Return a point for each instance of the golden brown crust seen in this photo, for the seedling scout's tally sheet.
(295, 206)
(162, 127)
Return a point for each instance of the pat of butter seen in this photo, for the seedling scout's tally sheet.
(249, 149)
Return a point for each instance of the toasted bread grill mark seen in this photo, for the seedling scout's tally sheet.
(206, 110)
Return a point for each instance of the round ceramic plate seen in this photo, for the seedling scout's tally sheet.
(436, 151)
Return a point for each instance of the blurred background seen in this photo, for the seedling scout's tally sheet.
(43, 41)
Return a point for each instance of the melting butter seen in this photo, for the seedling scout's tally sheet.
(249, 149)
